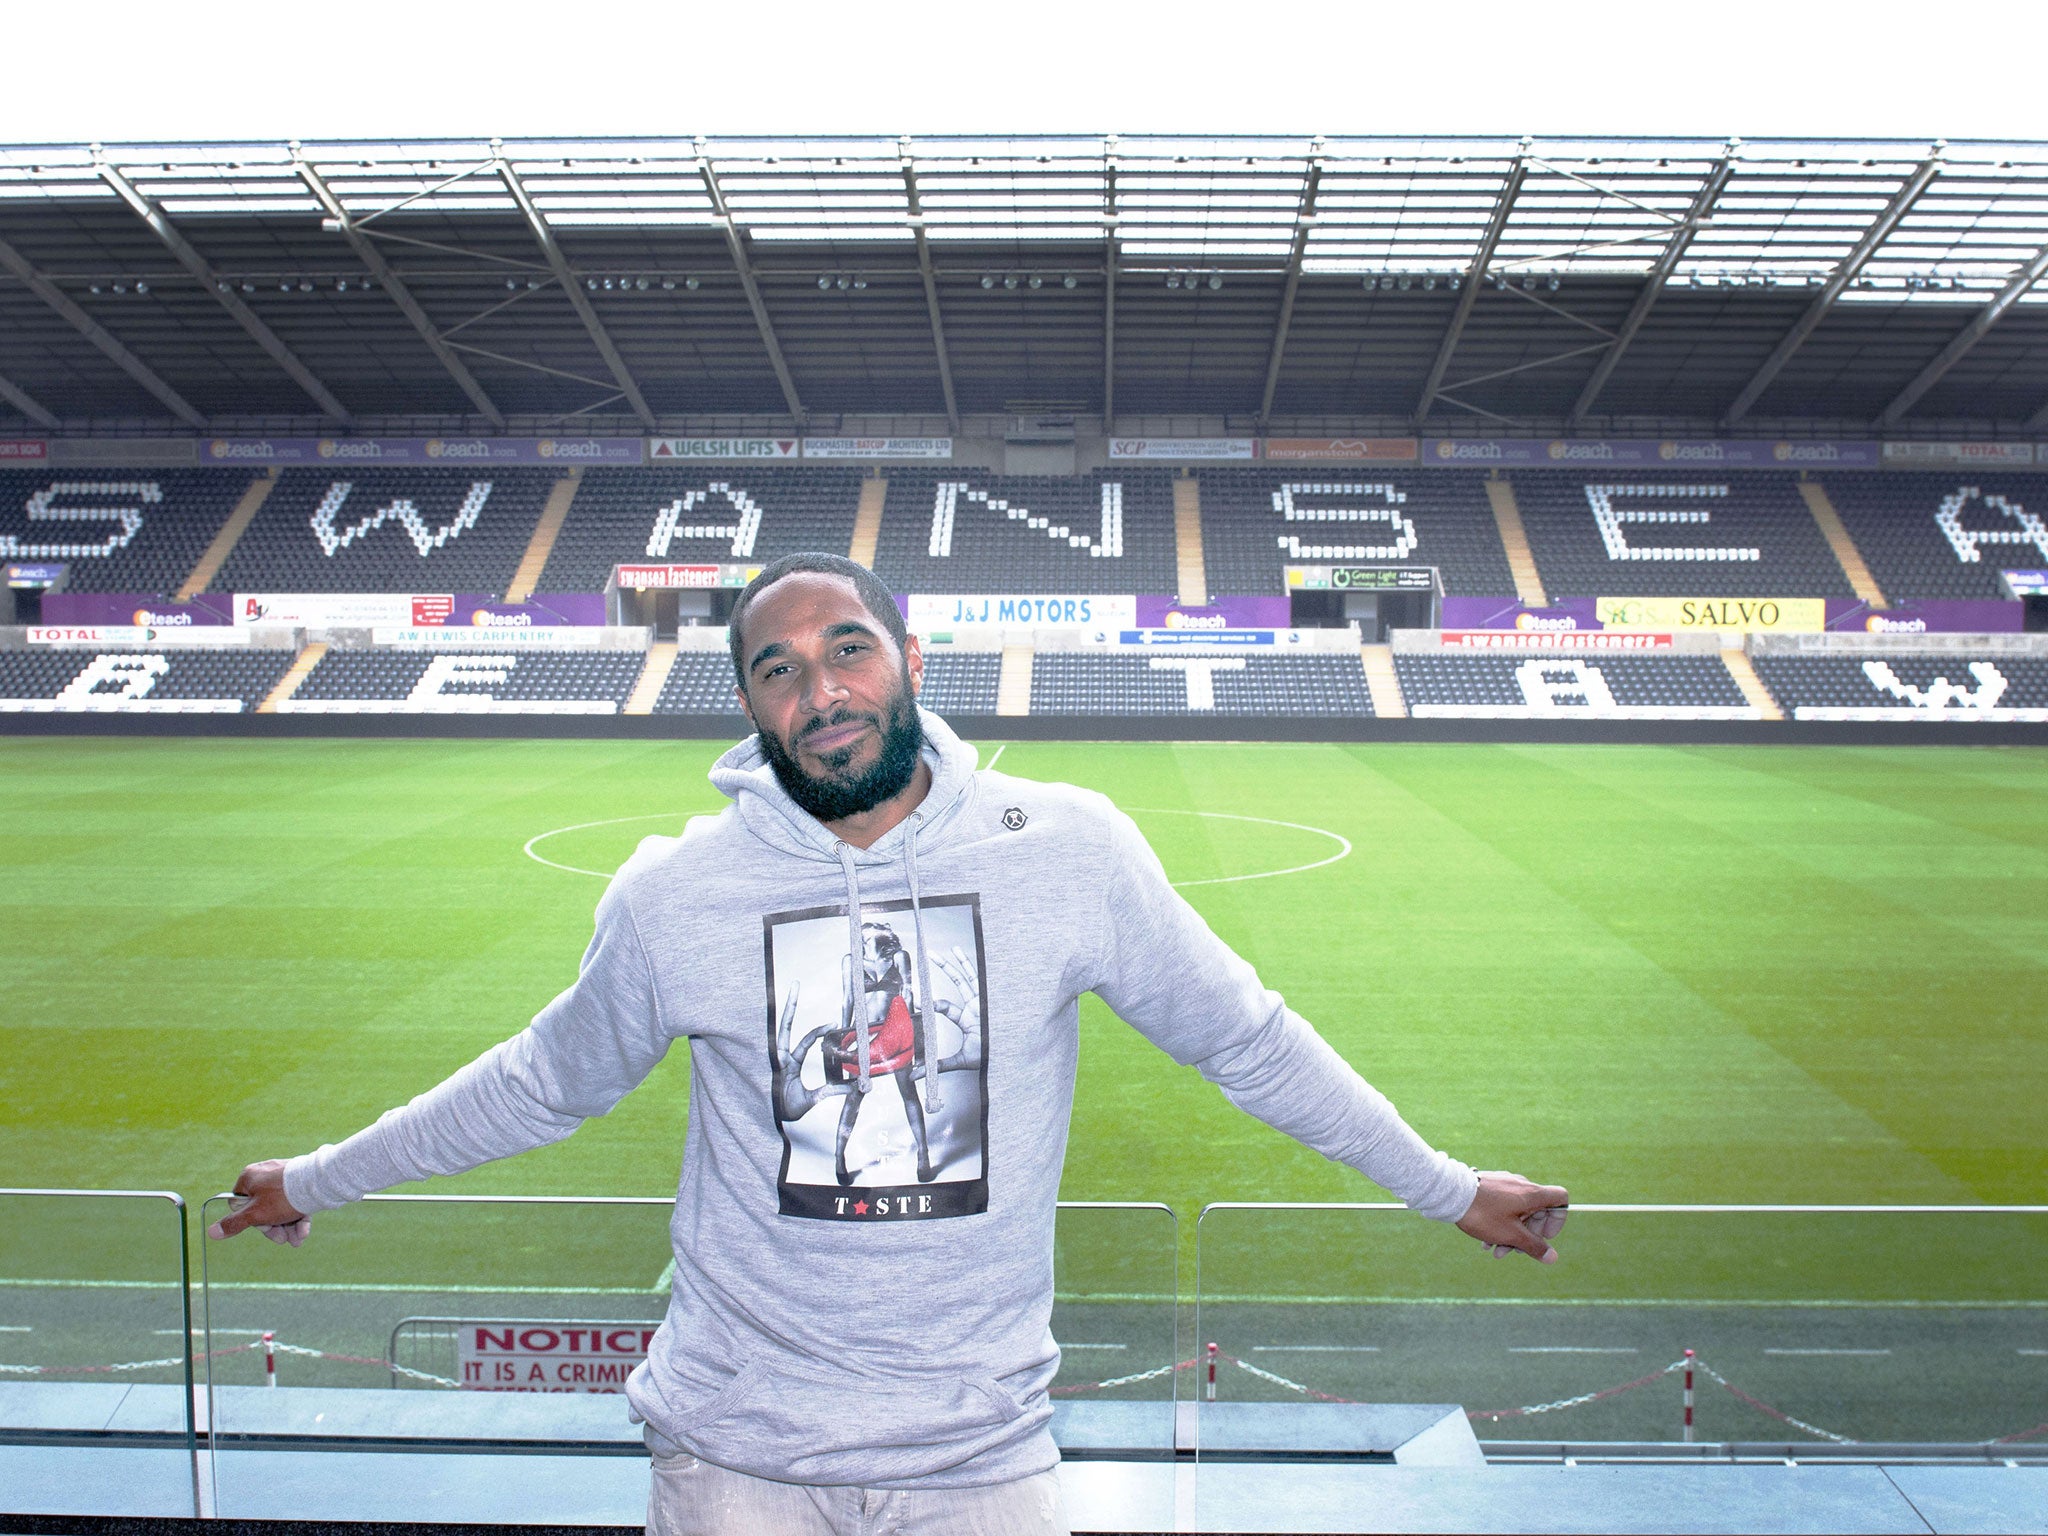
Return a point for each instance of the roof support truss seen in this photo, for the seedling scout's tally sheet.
(1844, 274)
(374, 261)
(26, 403)
(100, 337)
(1489, 242)
(566, 276)
(1304, 223)
(1702, 209)
(208, 279)
(1968, 337)
(931, 287)
(1110, 257)
(736, 243)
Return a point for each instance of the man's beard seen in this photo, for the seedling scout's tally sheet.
(842, 793)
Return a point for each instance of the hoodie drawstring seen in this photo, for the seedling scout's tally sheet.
(932, 1101)
(856, 949)
(857, 974)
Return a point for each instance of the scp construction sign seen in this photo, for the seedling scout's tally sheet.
(550, 1357)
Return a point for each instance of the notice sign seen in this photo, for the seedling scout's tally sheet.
(550, 1357)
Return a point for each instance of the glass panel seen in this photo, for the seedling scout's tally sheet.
(1812, 1327)
(94, 1345)
(416, 1319)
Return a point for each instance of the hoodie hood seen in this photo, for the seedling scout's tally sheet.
(745, 776)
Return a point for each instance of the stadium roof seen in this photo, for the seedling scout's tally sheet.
(1446, 284)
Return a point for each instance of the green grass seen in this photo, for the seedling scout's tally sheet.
(1726, 974)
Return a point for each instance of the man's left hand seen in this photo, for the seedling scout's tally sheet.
(1511, 1212)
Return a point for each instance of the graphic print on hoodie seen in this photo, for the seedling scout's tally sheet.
(880, 1092)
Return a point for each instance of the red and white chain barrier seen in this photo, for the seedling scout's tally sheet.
(272, 1347)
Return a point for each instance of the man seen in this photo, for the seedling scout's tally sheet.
(1003, 900)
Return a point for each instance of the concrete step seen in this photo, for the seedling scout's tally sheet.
(545, 532)
(1382, 682)
(1013, 685)
(230, 535)
(1507, 516)
(1847, 555)
(288, 685)
(1743, 670)
(1191, 573)
(867, 522)
(661, 660)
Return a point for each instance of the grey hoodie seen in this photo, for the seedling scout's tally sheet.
(879, 1099)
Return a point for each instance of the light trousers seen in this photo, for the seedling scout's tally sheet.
(695, 1498)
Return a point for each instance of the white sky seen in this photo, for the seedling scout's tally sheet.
(119, 71)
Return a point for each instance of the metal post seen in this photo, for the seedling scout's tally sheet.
(269, 1358)
(1688, 1396)
(1211, 1393)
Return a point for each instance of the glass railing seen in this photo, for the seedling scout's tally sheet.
(96, 1350)
(467, 1324)
(1821, 1328)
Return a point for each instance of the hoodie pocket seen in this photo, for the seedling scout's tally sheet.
(850, 1429)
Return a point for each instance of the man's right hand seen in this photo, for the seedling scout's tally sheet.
(261, 1203)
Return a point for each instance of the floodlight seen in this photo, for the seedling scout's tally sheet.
(1173, 279)
(607, 285)
(825, 281)
(1037, 282)
(95, 288)
(845, 282)
(590, 283)
(859, 282)
(341, 285)
(1428, 281)
(305, 285)
(668, 285)
(1554, 282)
(690, 283)
(141, 287)
(511, 285)
(1009, 280)
(987, 281)
(247, 286)
(641, 284)
(284, 287)
(1215, 281)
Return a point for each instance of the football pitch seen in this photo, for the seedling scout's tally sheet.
(1655, 974)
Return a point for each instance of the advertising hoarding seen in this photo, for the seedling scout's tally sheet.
(1951, 455)
(339, 451)
(663, 450)
(1746, 615)
(1183, 448)
(929, 613)
(139, 609)
(681, 578)
(1646, 453)
(878, 448)
(1361, 578)
(1339, 450)
(23, 450)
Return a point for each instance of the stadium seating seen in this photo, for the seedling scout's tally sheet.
(181, 682)
(1646, 533)
(965, 531)
(118, 530)
(699, 514)
(955, 682)
(1939, 537)
(389, 530)
(1256, 521)
(1864, 686)
(1646, 687)
(1121, 683)
(464, 682)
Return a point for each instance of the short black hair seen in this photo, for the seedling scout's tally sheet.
(874, 596)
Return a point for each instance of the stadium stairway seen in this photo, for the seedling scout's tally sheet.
(296, 674)
(1191, 575)
(1837, 534)
(661, 660)
(1382, 682)
(867, 522)
(1507, 516)
(1013, 685)
(229, 536)
(545, 532)
(1743, 670)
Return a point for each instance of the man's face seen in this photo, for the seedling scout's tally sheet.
(831, 694)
